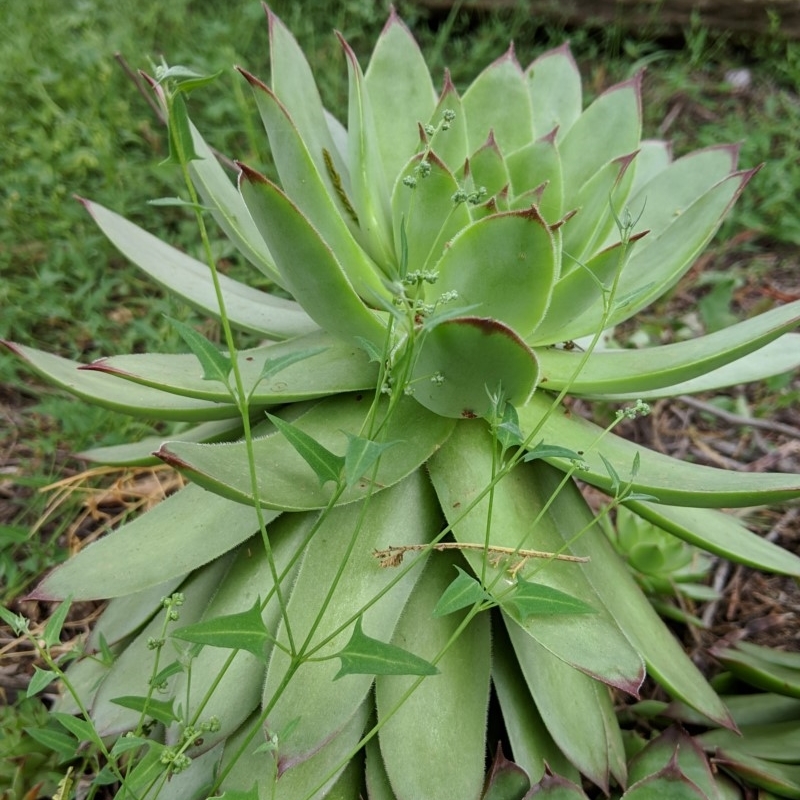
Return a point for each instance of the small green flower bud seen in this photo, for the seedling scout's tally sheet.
(430, 130)
(410, 181)
(437, 379)
(448, 115)
(424, 168)
(459, 197)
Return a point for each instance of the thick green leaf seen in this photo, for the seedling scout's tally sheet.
(720, 533)
(249, 309)
(597, 201)
(450, 142)
(62, 744)
(215, 363)
(609, 128)
(782, 779)
(487, 168)
(324, 365)
(631, 372)
(670, 481)
(181, 533)
(323, 610)
(529, 599)
(675, 744)
(103, 390)
(427, 213)
(554, 84)
(759, 667)
(776, 358)
(463, 360)
(666, 660)
(310, 778)
(462, 592)
(293, 83)
(576, 709)
(401, 94)
(774, 741)
(505, 266)
(242, 631)
(140, 453)
(461, 470)
(219, 193)
(510, 120)
(327, 466)
(668, 782)
(131, 671)
(313, 192)
(363, 655)
(506, 780)
(310, 269)
(369, 185)
(160, 710)
(452, 704)
(533, 747)
(536, 177)
(234, 682)
(661, 258)
(286, 481)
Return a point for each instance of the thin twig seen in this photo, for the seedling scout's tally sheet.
(393, 556)
(738, 419)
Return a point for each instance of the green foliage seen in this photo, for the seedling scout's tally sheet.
(419, 266)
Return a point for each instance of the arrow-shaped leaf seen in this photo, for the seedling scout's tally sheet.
(216, 364)
(535, 599)
(326, 465)
(160, 710)
(462, 592)
(243, 631)
(364, 655)
(360, 456)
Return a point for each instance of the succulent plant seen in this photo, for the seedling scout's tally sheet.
(386, 489)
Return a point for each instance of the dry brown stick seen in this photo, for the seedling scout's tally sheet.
(393, 556)
(738, 419)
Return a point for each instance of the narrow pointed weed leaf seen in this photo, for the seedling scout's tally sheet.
(243, 631)
(462, 592)
(216, 364)
(612, 473)
(181, 144)
(508, 431)
(81, 729)
(364, 655)
(362, 454)
(326, 465)
(60, 743)
(52, 631)
(233, 794)
(177, 201)
(160, 710)
(41, 679)
(272, 366)
(543, 450)
(530, 599)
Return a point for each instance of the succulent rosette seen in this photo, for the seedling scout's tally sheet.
(442, 250)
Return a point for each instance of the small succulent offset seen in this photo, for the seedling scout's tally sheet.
(383, 517)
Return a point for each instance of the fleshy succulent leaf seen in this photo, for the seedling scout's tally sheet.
(608, 129)
(463, 360)
(505, 264)
(616, 372)
(293, 240)
(453, 703)
(249, 309)
(670, 481)
(401, 94)
(510, 121)
(289, 483)
(554, 85)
